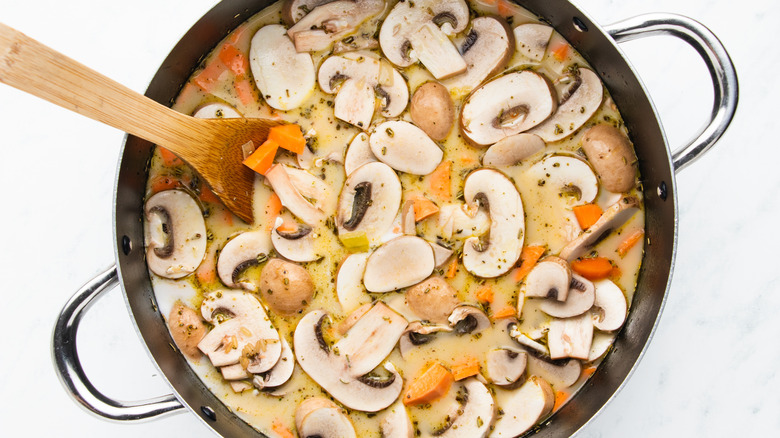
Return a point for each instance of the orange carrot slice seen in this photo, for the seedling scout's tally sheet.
(288, 137)
(560, 52)
(432, 384)
(467, 367)
(164, 183)
(506, 312)
(587, 215)
(629, 242)
(440, 180)
(485, 294)
(423, 208)
(281, 430)
(208, 78)
(169, 158)
(528, 258)
(272, 209)
(560, 399)
(262, 158)
(452, 268)
(233, 59)
(594, 268)
(245, 90)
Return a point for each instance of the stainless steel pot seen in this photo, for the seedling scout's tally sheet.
(658, 165)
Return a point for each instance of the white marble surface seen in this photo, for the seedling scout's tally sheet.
(710, 370)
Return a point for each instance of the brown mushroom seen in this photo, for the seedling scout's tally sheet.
(611, 155)
(186, 328)
(432, 300)
(286, 287)
(432, 110)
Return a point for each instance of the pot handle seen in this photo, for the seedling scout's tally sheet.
(722, 71)
(71, 374)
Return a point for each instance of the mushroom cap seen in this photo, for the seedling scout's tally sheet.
(358, 153)
(330, 22)
(512, 150)
(279, 178)
(175, 234)
(468, 319)
(294, 10)
(187, 329)
(417, 333)
(319, 417)
(396, 423)
(380, 205)
(216, 110)
(505, 366)
(612, 156)
(486, 48)
(550, 278)
(613, 218)
(508, 105)
(432, 300)
(286, 287)
(349, 282)
(281, 372)
(476, 415)
(405, 147)
(570, 337)
(571, 179)
(432, 110)
(399, 263)
(523, 407)
(531, 40)
(579, 300)
(239, 253)
(610, 306)
(284, 76)
(298, 245)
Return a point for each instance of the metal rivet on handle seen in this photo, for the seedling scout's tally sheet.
(579, 24)
(209, 413)
(127, 245)
(662, 193)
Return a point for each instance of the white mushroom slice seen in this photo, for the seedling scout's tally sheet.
(280, 373)
(505, 366)
(468, 319)
(531, 40)
(575, 107)
(294, 10)
(417, 334)
(352, 318)
(526, 341)
(486, 48)
(331, 22)
(440, 254)
(175, 234)
(227, 341)
(239, 253)
(369, 201)
(284, 76)
(560, 374)
(610, 307)
(239, 386)
(311, 187)
(476, 414)
(493, 191)
(571, 178)
(320, 417)
(290, 196)
(330, 371)
(405, 147)
(613, 218)
(570, 337)
(349, 282)
(399, 263)
(358, 153)
(408, 222)
(506, 106)
(216, 110)
(355, 103)
(600, 345)
(297, 245)
(461, 221)
(550, 278)
(512, 150)
(234, 372)
(436, 52)
(610, 153)
(523, 407)
(580, 299)
(406, 18)
(220, 305)
(395, 422)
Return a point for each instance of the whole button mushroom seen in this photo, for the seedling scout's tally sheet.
(286, 287)
(432, 300)
(432, 110)
(610, 153)
(187, 329)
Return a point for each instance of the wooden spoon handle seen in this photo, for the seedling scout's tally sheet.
(34, 68)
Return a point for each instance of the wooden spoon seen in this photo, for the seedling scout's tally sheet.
(213, 147)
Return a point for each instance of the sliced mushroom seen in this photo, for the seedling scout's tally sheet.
(247, 249)
(407, 19)
(216, 110)
(369, 201)
(296, 245)
(600, 345)
(512, 150)
(280, 373)
(395, 422)
(570, 178)
(467, 319)
(354, 43)
(186, 328)
(432, 110)
(234, 372)
(560, 373)
(440, 254)
(286, 287)
(486, 48)
(550, 278)
(320, 417)
(175, 234)
(475, 415)
(358, 153)
(580, 299)
(530, 345)
(610, 306)
(401, 262)
(493, 191)
(613, 218)
(330, 22)
(313, 188)
(570, 337)
(405, 148)
(610, 152)
(575, 107)
(436, 52)
(508, 105)
(531, 40)
(284, 76)
(432, 300)
(291, 198)
(294, 10)
(408, 222)
(349, 282)
(239, 386)
(329, 370)
(417, 334)
(462, 221)
(353, 318)
(505, 366)
(523, 407)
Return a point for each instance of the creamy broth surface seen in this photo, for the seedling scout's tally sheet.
(548, 221)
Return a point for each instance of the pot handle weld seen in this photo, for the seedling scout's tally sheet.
(71, 374)
(722, 71)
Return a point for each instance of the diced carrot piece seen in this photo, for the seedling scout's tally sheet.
(587, 372)
(560, 399)
(423, 208)
(467, 159)
(206, 272)
(287, 227)
(506, 312)
(289, 137)
(560, 52)
(587, 215)
(528, 258)
(485, 294)
(233, 59)
(164, 183)
(263, 157)
(208, 78)
(245, 90)
(227, 217)
(440, 181)
(594, 268)
(452, 268)
(272, 210)
(432, 384)
(169, 158)
(505, 8)
(281, 430)
(467, 367)
(616, 273)
(629, 242)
